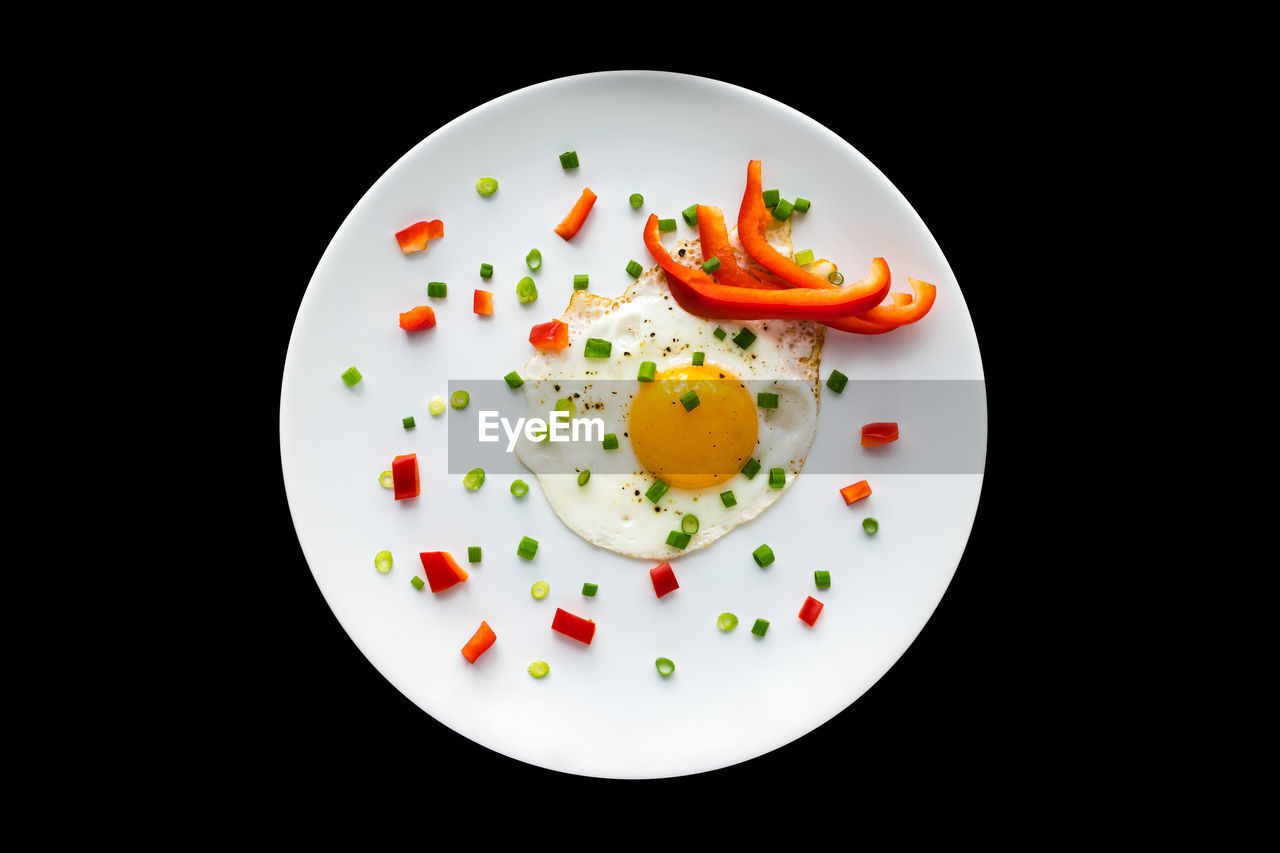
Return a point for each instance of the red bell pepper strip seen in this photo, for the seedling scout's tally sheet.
(479, 643)
(714, 238)
(570, 224)
(700, 295)
(810, 610)
(856, 492)
(899, 314)
(483, 302)
(549, 337)
(902, 298)
(418, 319)
(874, 435)
(664, 580)
(441, 570)
(416, 236)
(576, 627)
(404, 476)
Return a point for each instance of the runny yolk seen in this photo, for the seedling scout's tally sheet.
(702, 447)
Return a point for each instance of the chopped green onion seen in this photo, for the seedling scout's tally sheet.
(667, 225)
(689, 524)
(610, 441)
(636, 199)
(836, 277)
(351, 376)
(690, 214)
(473, 479)
(584, 477)
(783, 210)
(745, 338)
(540, 589)
(382, 562)
(728, 499)
(870, 525)
(473, 553)
(698, 358)
(648, 370)
(751, 468)
(761, 626)
(526, 290)
(533, 259)
(486, 186)
(590, 589)
(387, 479)
(822, 579)
(519, 488)
(805, 257)
(569, 160)
(690, 400)
(727, 622)
(580, 282)
(486, 270)
(711, 265)
(766, 400)
(597, 348)
(436, 406)
(770, 197)
(408, 422)
(763, 556)
(802, 205)
(459, 399)
(418, 583)
(566, 405)
(634, 268)
(656, 491)
(676, 539)
(528, 547)
(539, 668)
(513, 379)
(720, 333)
(437, 289)
(777, 478)
(836, 381)
(665, 666)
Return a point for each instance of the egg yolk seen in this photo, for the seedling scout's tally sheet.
(699, 447)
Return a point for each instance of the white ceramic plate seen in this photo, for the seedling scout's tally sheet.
(604, 710)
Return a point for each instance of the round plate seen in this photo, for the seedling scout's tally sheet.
(604, 710)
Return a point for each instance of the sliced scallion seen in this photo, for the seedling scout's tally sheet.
(802, 205)
(822, 579)
(777, 478)
(765, 400)
(761, 626)
(770, 197)
(665, 666)
(534, 259)
(745, 338)
(473, 479)
(418, 583)
(569, 160)
(387, 479)
(782, 211)
(540, 589)
(689, 400)
(698, 358)
(473, 553)
(648, 370)
(437, 289)
(720, 333)
(678, 539)
(459, 399)
(436, 406)
(634, 268)
(728, 499)
(804, 257)
(610, 441)
(526, 290)
(584, 477)
(580, 282)
(870, 525)
(597, 348)
(667, 225)
(486, 270)
(513, 379)
(727, 622)
(351, 376)
(539, 668)
(690, 214)
(382, 562)
(751, 468)
(590, 589)
(836, 277)
(836, 381)
(486, 186)
(519, 488)
(763, 556)
(527, 548)
(689, 524)
(656, 491)
(711, 265)
(636, 199)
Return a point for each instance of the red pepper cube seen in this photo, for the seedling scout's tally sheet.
(483, 302)
(576, 627)
(856, 492)
(416, 236)
(874, 435)
(418, 319)
(442, 570)
(549, 336)
(810, 611)
(404, 476)
(664, 580)
(479, 643)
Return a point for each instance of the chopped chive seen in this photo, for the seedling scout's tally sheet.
(648, 370)
(459, 399)
(720, 333)
(473, 553)
(486, 270)
(727, 622)
(418, 583)
(408, 422)
(597, 348)
(569, 160)
(728, 499)
(804, 258)
(513, 379)
(751, 468)
(580, 282)
(870, 525)
(802, 205)
(665, 666)
(486, 186)
(533, 260)
(783, 210)
(761, 626)
(528, 547)
(667, 225)
(767, 401)
(540, 589)
(382, 562)
(777, 478)
(690, 214)
(526, 290)
(590, 589)
(698, 358)
(676, 539)
(745, 338)
(656, 491)
(437, 289)
(610, 441)
(351, 376)
(519, 488)
(436, 406)
(634, 269)
(584, 477)
(636, 199)
(539, 668)
(711, 265)
(690, 400)
(387, 479)
(770, 197)
(763, 556)
(835, 277)
(566, 405)
(836, 381)
(689, 524)
(473, 479)
(822, 579)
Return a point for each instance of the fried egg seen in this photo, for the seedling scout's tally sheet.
(697, 452)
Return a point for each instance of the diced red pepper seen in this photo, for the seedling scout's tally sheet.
(810, 610)
(479, 643)
(549, 336)
(404, 476)
(483, 303)
(418, 319)
(856, 492)
(576, 627)
(441, 570)
(664, 580)
(570, 224)
(874, 435)
(416, 236)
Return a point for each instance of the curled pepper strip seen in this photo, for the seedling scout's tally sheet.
(714, 238)
(700, 295)
(569, 226)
